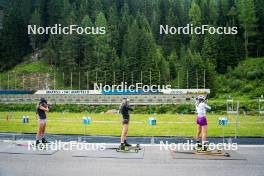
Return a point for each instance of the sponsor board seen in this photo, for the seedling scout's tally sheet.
(124, 92)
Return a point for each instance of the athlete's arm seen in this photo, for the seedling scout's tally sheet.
(43, 108)
(207, 107)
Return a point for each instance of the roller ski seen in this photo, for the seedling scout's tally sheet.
(128, 148)
(203, 150)
(43, 144)
(212, 153)
(137, 146)
(198, 146)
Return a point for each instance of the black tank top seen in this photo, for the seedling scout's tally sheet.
(41, 114)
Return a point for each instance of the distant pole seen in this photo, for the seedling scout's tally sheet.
(159, 78)
(204, 79)
(197, 80)
(1, 84)
(105, 77)
(79, 80)
(8, 80)
(71, 80)
(178, 76)
(114, 78)
(123, 77)
(187, 78)
(169, 78)
(150, 77)
(63, 79)
(54, 81)
(47, 79)
(237, 119)
(38, 83)
(23, 81)
(96, 77)
(30, 81)
(132, 78)
(15, 80)
(141, 79)
(87, 80)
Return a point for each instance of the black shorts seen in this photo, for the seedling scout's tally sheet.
(126, 119)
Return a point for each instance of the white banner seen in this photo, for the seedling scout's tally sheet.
(91, 92)
(185, 91)
(68, 92)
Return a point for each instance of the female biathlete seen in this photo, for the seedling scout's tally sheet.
(42, 109)
(124, 110)
(201, 121)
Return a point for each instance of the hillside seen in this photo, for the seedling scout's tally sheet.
(243, 82)
(29, 75)
(133, 47)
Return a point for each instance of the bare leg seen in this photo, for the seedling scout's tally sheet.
(40, 131)
(43, 130)
(204, 131)
(124, 133)
(198, 133)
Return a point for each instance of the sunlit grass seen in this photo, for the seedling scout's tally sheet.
(110, 124)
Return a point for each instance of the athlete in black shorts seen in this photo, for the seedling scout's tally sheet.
(41, 110)
(124, 110)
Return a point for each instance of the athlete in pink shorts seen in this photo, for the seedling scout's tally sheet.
(201, 108)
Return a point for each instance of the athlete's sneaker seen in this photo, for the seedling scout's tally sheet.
(44, 141)
(122, 147)
(205, 147)
(198, 146)
(127, 144)
(37, 142)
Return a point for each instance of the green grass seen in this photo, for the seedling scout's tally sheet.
(245, 81)
(37, 66)
(109, 124)
(33, 74)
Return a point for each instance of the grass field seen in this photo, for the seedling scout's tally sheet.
(110, 124)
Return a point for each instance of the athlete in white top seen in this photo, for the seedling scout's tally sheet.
(201, 108)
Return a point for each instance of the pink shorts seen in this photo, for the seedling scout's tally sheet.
(201, 121)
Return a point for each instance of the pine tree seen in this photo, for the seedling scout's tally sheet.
(15, 41)
(170, 41)
(88, 42)
(210, 49)
(113, 27)
(130, 55)
(55, 14)
(103, 50)
(248, 20)
(195, 19)
(174, 65)
(69, 52)
(259, 38)
(36, 40)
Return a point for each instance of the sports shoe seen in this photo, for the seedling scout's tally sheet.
(44, 141)
(127, 144)
(122, 146)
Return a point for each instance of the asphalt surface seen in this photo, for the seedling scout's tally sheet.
(155, 163)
